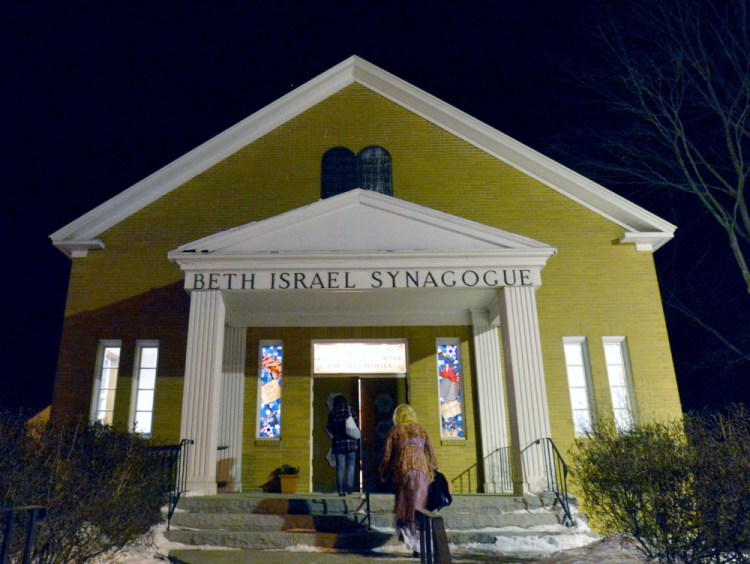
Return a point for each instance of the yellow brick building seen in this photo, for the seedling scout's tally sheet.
(359, 236)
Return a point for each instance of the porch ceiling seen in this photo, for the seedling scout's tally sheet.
(350, 308)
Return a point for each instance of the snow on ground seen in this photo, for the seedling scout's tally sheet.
(580, 547)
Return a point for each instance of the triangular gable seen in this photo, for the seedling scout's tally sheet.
(645, 229)
(361, 221)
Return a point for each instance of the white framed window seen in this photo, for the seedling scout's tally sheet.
(580, 387)
(144, 386)
(105, 381)
(620, 382)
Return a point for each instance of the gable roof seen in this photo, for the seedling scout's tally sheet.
(645, 229)
(360, 224)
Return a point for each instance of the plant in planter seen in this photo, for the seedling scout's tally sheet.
(288, 476)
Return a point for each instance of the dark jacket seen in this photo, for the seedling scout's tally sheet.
(336, 427)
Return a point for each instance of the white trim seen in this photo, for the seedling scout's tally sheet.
(595, 197)
(632, 406)
(141, 344)
(583, 348)
(79, 249)
(104, 344)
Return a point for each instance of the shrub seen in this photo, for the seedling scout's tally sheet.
(721, 446)
(678, 490)
(101, 487)
(639, 484)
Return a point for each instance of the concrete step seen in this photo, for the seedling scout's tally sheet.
(356, 540)
(265, 540)
(475, 510)
(268, 522)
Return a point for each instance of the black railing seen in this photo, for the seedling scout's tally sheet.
(36, 514)
(366, 478)
(496, 467)
(433, 540)
(174, 460)
(556, 472)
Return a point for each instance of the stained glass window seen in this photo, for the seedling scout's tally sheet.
(269, 389)
(449, 386)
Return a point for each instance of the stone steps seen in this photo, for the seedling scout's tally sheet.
(265, 522)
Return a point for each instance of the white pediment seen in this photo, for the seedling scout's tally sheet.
(361, 221)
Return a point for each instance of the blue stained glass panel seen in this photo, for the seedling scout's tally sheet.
(272, 365)
(449, 386)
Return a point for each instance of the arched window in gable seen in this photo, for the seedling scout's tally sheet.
(341, 171)
(374, 170)
(337, 172)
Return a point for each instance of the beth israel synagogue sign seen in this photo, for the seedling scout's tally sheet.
(351, 280)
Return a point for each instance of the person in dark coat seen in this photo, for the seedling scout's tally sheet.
(344, 447)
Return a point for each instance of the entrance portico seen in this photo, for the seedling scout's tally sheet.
(363, 259)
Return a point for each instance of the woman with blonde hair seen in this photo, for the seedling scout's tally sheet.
(410, 461)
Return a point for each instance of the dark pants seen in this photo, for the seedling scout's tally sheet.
(345, 472)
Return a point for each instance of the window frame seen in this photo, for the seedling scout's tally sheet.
(451, 341)
(582, 343)
(632, 409)
(259, 405)
(102, 347)
(136, 386)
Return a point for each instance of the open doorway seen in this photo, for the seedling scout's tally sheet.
(373, 398)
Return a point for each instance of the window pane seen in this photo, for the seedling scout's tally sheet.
(573, 354)
(111, 357)
(579, 399)
(620, 398)
(145, 400)
(143, 422)
(613, 353)
(582, 422)
(109, 378)
(106, 417)
(616, 375)
(576, 377)
(147, 379)
(623, 421)
(149, 357)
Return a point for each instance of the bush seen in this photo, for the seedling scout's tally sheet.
(679, 491)
(639, 484)
(101, 487)
(721, 446)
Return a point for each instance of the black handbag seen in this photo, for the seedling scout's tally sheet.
(438, 494)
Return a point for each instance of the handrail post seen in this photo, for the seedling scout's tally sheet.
(8, 520)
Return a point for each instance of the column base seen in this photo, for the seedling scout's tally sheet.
(199, 487)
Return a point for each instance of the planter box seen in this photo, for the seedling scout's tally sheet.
(288, 483)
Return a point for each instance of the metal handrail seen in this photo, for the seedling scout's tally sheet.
(433, 540)
(557, 475)
(365, 474)
(506, 481)
(37, 513)
(175, 461)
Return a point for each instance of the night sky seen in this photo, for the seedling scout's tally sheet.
(98, 95)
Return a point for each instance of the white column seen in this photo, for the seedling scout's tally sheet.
(202, 389)
(527, 392)
(229, 463)
(491, 395)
